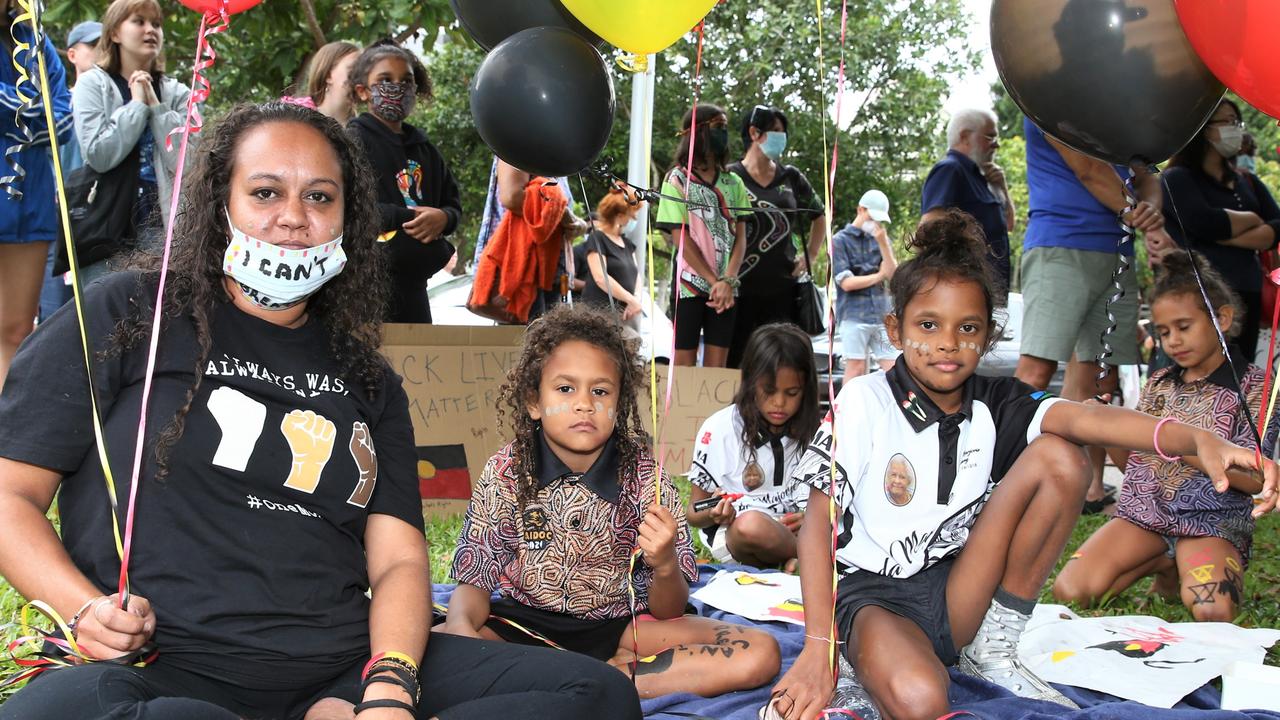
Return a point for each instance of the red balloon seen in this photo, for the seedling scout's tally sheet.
(207, 6)
(1236, 39)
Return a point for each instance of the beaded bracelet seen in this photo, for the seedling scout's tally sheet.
(1155, 442)
(731, 280)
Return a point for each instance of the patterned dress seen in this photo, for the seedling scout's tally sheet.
(1174, 499)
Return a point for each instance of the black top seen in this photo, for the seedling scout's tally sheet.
(1194, 211)
(772, 236)
(620, 263)
(409, 172)
(251, 550)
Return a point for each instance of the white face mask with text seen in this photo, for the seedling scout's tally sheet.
(275, 278)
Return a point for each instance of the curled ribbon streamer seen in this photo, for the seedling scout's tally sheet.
(1122, 266)
(1265, 420)
(11, 154)
(35, 640)
(636, 64)
(211, 23)
(635, 616)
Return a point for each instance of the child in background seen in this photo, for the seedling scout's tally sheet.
(750, 448)
(953, 574)
(1172, 521)
(417, 194)
(557, 514)
(714, 238)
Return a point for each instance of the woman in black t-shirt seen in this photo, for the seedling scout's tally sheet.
(771, 264)
(278, 491)
(611, 256)
(1227, 215)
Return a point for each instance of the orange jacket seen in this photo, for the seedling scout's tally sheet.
(521, 256)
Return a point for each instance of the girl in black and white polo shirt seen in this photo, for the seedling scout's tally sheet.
(956, 494)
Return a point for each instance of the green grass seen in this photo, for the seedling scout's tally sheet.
(1261, 601)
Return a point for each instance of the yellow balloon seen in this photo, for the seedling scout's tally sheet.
(640, 26)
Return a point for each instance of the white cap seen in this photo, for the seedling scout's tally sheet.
(877, 205)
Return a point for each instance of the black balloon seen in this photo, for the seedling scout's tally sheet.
(543, 101)
(490, 22)
(1116, 79)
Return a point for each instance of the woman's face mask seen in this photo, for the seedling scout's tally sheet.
(1229, 141)
(276, 278)
(774, 144)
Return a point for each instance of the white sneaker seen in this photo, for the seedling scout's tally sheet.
(993, 656)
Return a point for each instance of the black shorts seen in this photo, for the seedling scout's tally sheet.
(695, 321)
(921, 598)
(599, 639)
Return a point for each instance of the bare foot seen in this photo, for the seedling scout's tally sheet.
(791, 566)
(1165, 583)
(331, 709)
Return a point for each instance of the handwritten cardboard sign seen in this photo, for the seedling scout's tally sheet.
(452, 376)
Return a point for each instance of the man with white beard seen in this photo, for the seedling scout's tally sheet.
(968, 179)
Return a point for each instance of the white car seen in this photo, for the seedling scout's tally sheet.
(449, 307)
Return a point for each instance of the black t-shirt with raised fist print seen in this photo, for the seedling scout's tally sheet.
(251, 549)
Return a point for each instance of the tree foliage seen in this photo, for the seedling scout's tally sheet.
(900, 58)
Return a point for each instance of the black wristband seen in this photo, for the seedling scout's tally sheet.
(408, 686)
(388, 703)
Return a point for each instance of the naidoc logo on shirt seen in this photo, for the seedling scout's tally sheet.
(537, 531)
(706, 438)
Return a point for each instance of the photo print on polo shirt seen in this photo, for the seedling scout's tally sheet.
(899, 480)
(752, 477)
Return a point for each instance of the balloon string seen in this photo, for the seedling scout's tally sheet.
(675, 303)
(1122, 266)
(1265, 419)
(12, 154)
(210, 24)
(1222, 337)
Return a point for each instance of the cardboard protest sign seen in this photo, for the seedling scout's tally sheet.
(452, 375)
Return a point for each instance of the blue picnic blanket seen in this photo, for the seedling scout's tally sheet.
(971, 694)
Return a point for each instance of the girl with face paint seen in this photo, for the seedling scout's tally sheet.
(417, 193)
(1226, 215)
(709, 235)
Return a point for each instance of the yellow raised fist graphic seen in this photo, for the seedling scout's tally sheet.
(310, 439)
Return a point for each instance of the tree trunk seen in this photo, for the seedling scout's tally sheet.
(313, 24)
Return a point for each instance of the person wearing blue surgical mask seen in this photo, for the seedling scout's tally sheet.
(611, 255)
(785, 205)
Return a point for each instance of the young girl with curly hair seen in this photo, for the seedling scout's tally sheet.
(1172, 520)
(558, 513)
(955, 494)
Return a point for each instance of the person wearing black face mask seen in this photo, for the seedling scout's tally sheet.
(712, 233)
(417, 193)
(1227, 215)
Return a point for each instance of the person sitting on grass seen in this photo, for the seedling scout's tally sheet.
(1173, 521)
(952, 575)
(750, 448)
(557, 515)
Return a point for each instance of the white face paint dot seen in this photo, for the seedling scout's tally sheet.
(555, 409)
(598, 407)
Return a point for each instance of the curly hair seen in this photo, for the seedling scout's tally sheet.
(1174, 276)
(769, 349)
(951, 247)
(382, 50)
(562, 324)
(350, 307)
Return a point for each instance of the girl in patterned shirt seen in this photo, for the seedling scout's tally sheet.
(1172, 521)
(557, 515)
